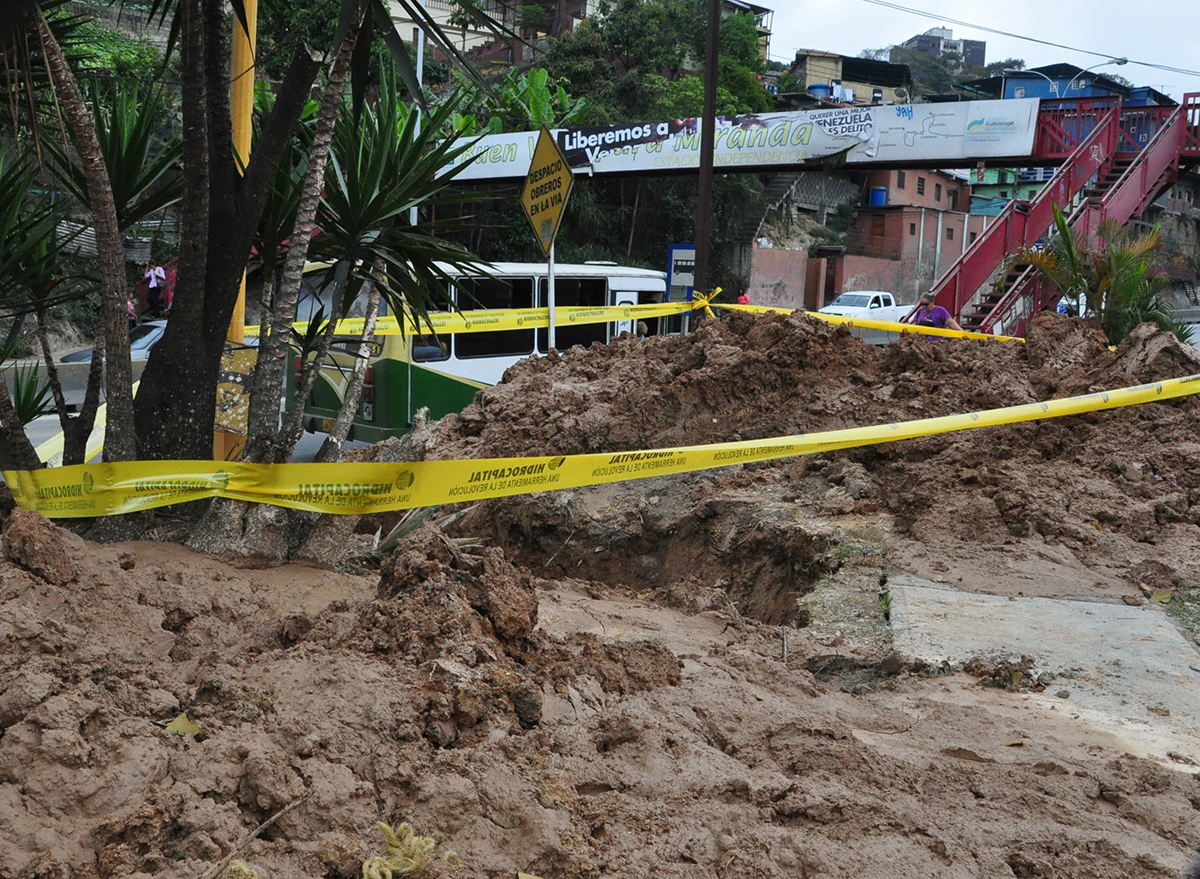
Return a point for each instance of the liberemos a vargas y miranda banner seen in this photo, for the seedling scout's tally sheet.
(883, 134)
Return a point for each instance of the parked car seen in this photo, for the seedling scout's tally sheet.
(873, 304)
(142, 338)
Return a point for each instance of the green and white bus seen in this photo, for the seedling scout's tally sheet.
(444, 372)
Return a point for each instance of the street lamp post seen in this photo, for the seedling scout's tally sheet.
(1117, 61)
(1009, 71)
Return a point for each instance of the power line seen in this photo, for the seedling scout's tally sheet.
(992, 30)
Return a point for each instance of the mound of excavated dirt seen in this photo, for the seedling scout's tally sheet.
(595, 684)
(1109, 491)
(615, 738)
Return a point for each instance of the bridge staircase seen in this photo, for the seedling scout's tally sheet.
(1114, 162)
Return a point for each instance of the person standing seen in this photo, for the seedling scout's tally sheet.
(131, 310)
(930, 315)
(156, 281)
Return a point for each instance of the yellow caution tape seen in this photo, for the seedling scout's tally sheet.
(869, 324)
(573, 315)
(487, 321)
(108, 489)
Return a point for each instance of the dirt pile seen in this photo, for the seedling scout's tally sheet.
(1112, 490)
(616, 738)
(595, 683)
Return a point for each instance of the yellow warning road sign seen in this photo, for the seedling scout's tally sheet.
(547, 188)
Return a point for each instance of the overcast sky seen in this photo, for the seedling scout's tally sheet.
(1158, 31)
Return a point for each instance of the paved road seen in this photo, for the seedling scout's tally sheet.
(46, 427)
(1126, 670)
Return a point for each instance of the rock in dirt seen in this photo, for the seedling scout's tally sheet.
(36, 544)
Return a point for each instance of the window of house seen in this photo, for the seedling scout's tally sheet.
(1004, 193)
(899, 179)
(920, 186)
(949, 234)
(971, 240)
(953, 199)
(937, 192)
(912, 228)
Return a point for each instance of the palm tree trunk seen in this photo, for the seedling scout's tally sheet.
(263, 419)
(331, 449)
(43, 336)
(120, 442)
(76, 429)
(176, 402)
(293, 421)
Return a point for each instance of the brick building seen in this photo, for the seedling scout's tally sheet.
(915, 224)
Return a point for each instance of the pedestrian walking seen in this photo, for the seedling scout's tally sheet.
(156, 282)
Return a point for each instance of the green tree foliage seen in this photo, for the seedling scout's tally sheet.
(1113, 277)
(745, 86)
(620, 60)
(111, 53)
(534, 18)
(652, 36)
(932, 74)
(580, 62)
(739, 42)
(998, 67)
(684, 97)
(520, 102)
(637, 60)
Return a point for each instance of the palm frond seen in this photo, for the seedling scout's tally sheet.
(144, 173)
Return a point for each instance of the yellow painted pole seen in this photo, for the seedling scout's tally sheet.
(228, 440)
(241, 105)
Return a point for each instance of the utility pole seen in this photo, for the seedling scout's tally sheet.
(708, 129)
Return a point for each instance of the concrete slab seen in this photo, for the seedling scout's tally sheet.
(1129, 671)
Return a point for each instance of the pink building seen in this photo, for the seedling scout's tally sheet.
(913, 226)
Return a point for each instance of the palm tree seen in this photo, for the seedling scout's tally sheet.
(143, 170)
(114, 329)
(1112, 278)
(222, 201)
(379, 172)
(143, 174)
(25, 227)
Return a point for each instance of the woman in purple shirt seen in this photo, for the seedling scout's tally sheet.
(930, 315)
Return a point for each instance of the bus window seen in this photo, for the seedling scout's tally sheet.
(427, 349)
(589, 292)
(316, 293)
(351, 344)
(486, 293)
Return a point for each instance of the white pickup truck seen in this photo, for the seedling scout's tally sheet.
(873, 304)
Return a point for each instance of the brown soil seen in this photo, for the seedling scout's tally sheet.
(674, 677)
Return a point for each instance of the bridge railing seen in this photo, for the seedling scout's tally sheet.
(1020, 224)
(1063, 125)
(1143, 180)
(1191, 113)
(1139, 125)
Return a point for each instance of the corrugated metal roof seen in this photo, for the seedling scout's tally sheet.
(78, 239)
